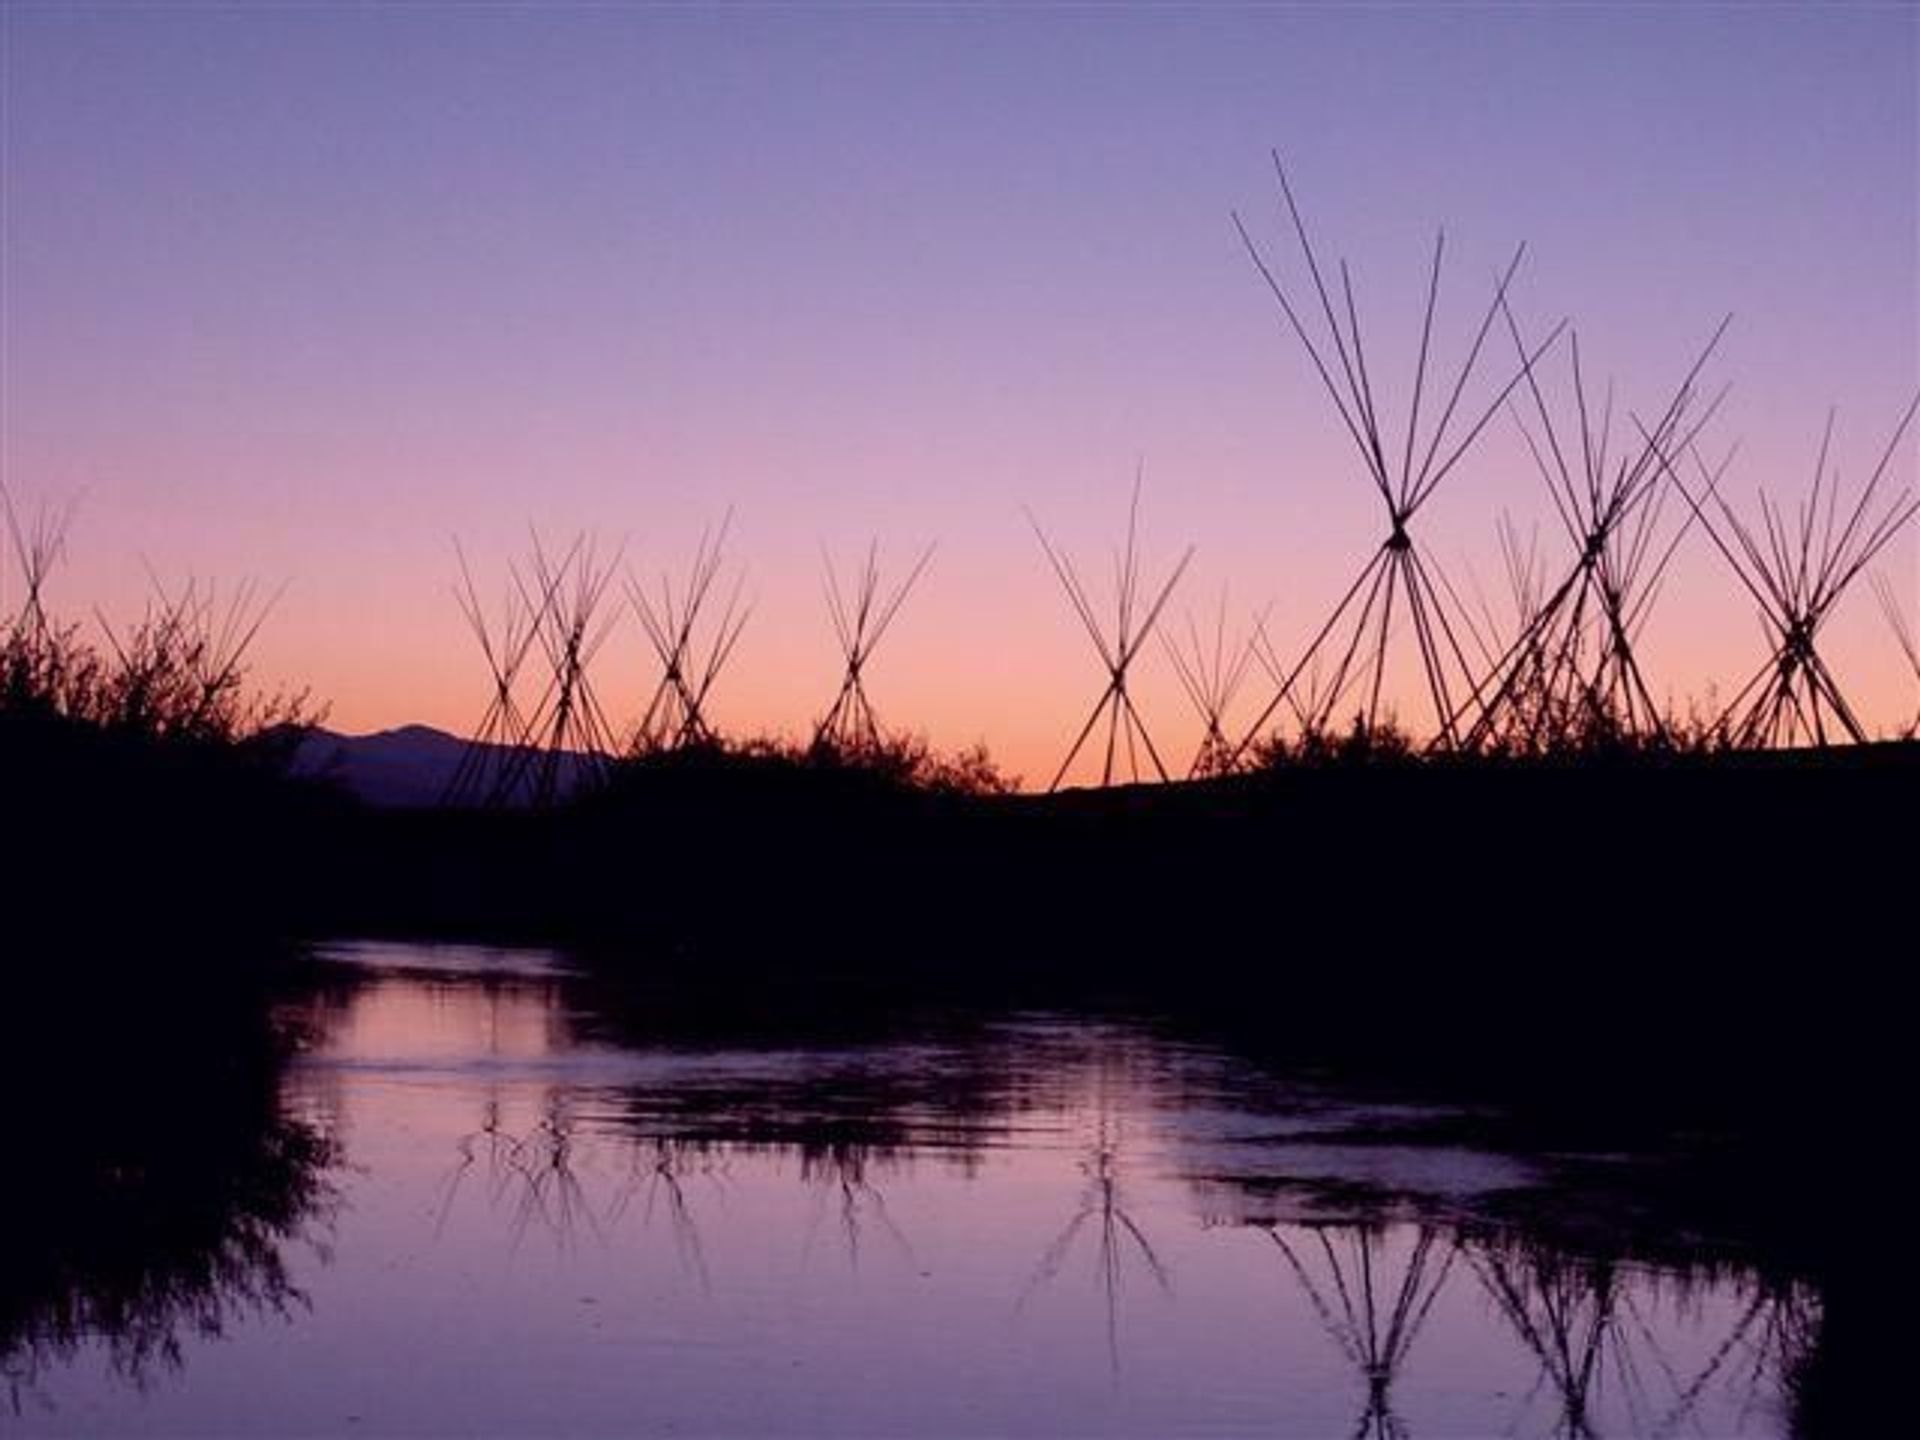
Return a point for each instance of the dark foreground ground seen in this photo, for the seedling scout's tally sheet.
(1721, 923)
(1704, 960)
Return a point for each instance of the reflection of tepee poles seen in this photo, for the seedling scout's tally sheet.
(1405, 475)
(1586, 1327)
(1373, 1318)
(1212, 672)
(1566, 1313)
(689, 662)
(845, 1167)
(1796, 567)
(534, 1170)
(1772, 1332)
(1102, 1207)
(860, 620)
(658, 1167)
(1126, 732)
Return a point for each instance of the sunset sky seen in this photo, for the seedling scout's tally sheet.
(302, 293)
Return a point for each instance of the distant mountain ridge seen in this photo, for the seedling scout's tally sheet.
(408, 767)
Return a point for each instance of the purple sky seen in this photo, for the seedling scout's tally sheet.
(300, 293)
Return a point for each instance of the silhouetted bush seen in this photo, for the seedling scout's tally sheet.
(898, 765)
(147, 782)
(1381, 743)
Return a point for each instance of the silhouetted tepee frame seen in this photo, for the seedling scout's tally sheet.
(1126, 732)
(1903, 637)
(1212, 672)
(1517, 637)
(1376, 1319)
(1797, 568)
(1304, 693)
(689, 663)
(538, 753)
(1573, 672)
(860, 620)
(1404, 475)
(489, 758)
(37, 546)
(571, 738)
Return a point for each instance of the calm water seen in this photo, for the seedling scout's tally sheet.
(520, 1214)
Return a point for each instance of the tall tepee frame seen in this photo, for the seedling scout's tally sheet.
(36, 545)
(569, 736)
(1903, 636)
(1304, 693)
(1797, 567)
(1523, 571)
(861, 616)
(1127, 735)
(534, 745)
(1213, 671)
(691, 656)
(1397, 575)
(1573, 672)
(490, 757)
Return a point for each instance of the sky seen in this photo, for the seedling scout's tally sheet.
(303, 293)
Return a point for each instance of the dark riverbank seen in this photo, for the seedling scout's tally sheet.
(1510, 914)
(1696, 960)
(1526, 905)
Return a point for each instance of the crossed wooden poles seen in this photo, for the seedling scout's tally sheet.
(1567, 672)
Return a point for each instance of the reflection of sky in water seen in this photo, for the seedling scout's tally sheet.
(1041, 1227)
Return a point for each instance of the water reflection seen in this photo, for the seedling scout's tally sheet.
(1603, 1333)
(1375, 1288)
(163, 1189)
(1111, 1233)
(552, 1217)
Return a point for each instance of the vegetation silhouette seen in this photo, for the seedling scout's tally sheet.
(170, 1186)
(139, 764)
